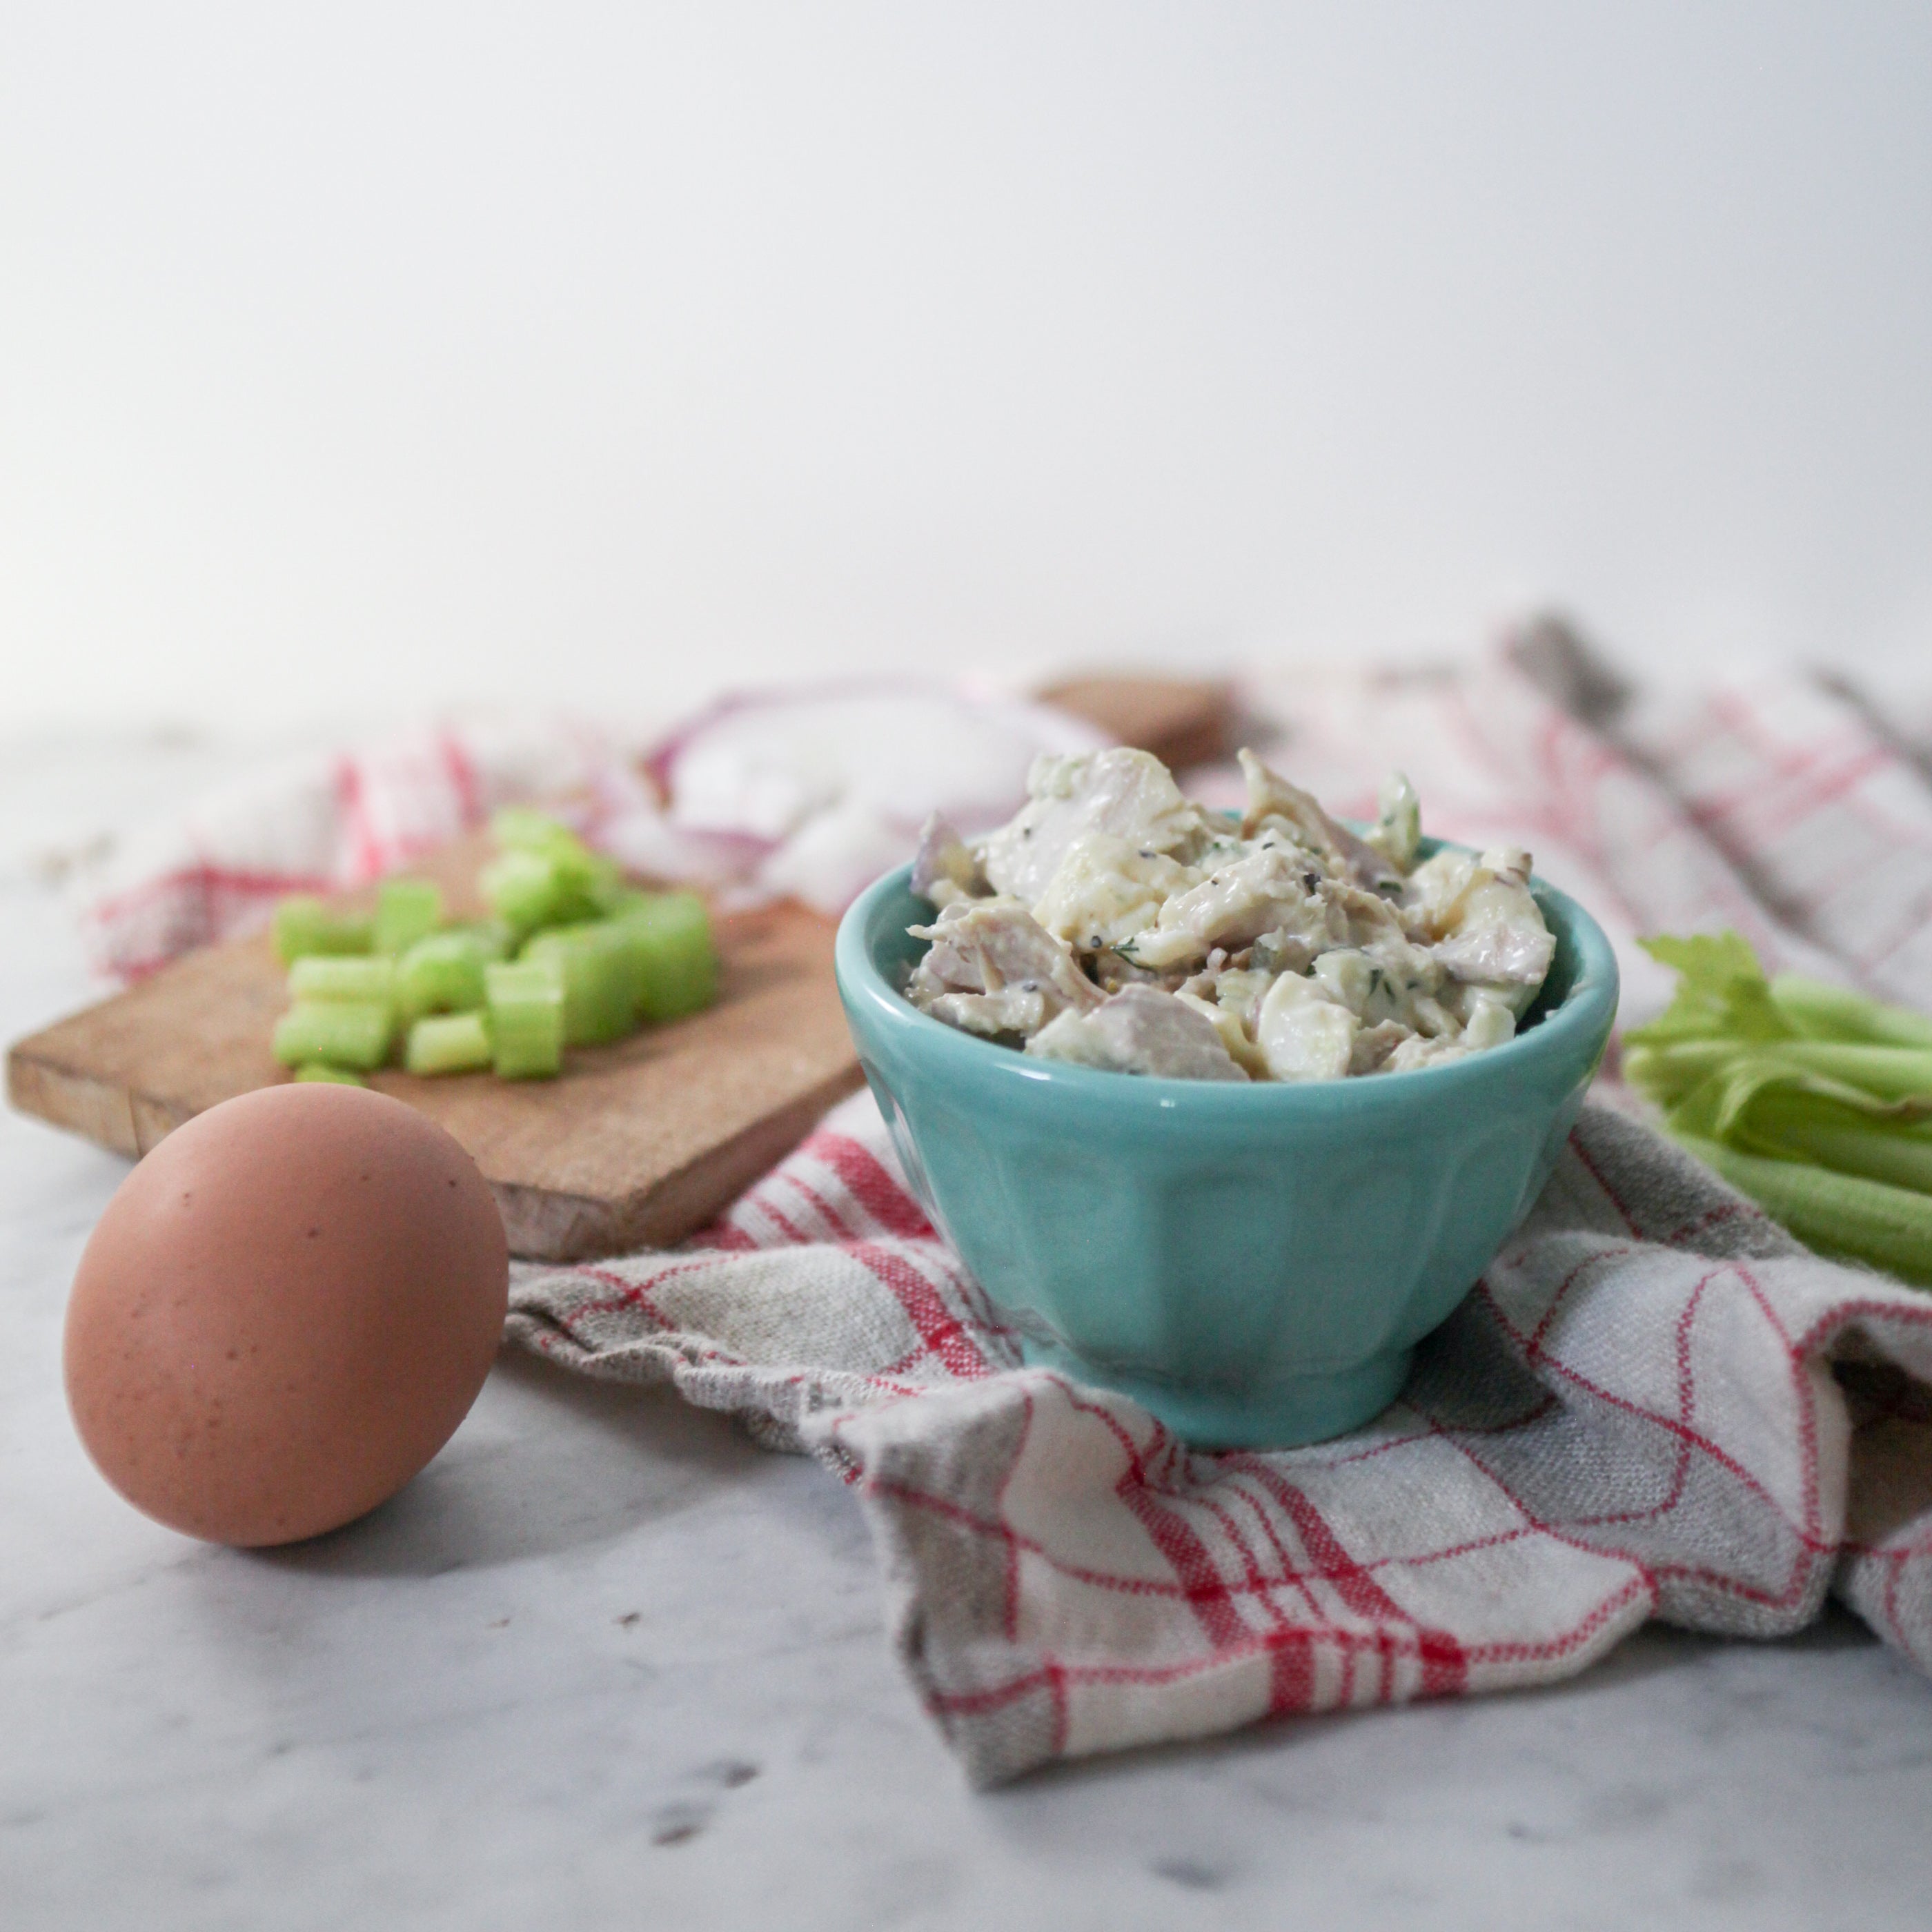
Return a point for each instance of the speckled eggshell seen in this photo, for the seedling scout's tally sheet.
(285, 1312)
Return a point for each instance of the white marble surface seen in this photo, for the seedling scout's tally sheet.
(604, 1664)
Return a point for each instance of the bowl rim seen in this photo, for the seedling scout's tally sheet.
(1570, 1032)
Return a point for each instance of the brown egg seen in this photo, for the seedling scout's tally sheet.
(285, 1312)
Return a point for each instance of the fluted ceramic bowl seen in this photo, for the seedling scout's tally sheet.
(1253, 1263)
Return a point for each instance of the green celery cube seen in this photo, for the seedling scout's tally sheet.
(452, 1043)
(341, 1033)
(525, 891)
(334, 1076)
(672, 953)
(322, 976)
(600, 993)
(305, 925)
(443, 974)
(525, 1019)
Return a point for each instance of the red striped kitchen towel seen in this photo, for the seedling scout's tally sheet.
(1655, 1403)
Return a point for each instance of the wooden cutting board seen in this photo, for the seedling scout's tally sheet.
(636, 1144)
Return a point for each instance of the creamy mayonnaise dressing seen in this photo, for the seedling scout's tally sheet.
(1113, 923)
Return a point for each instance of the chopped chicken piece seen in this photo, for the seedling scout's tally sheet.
(1234, 1036)
(1488, 928)
(1241, 992)
(1107, 891)
(1128, 794)
(1139, 1030)
(1373, 1045)
(1302, 1033)
(996, 947)
(1013, 1010)
(1271, 796)
(1417, 1051)
(1490, 1023)
(943, 870)
(1269, 890)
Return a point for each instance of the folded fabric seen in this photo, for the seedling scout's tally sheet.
(1655, 1403)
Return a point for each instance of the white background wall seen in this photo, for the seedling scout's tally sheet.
(359, 359)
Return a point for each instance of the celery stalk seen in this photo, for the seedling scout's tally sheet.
(322, 976)
(525, 1019)
(547, 875)
(674, 955)
(1900, 1160)
(335, 1076)
(600, 986)
(525, 891)
(406, 910)
(1820, 1011)
(305, 925)
(443, 974)
(1839, 1213)
(1885, 1073)
(343, 1032)
(452, 1043)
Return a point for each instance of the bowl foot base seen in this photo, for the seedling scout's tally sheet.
(1280, 1415)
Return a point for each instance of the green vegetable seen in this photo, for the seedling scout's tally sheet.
(322, 976)
(406, 910)
(525, 1019)
(547, 875)
(443, 974)
(336, 1076)
(673, 954)
(1839, 1213)
(596, 966)
(342, 1033)
(1822, 1012)
(598, 958)
(305, 925)
(454, 1043)
(1815, 1100)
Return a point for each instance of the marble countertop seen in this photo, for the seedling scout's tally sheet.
(604, 1663)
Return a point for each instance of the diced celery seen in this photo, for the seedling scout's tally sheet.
(595, 964)
(526, 891)
(676, 961)
(320, 976)
(521, 828)
(344, 1033)
(441, 974)
(547, 875)
(453, 1043)
(525, 1019)
(335, 1076)
(616, 898)
(406, 910)
(497, 940)
(305, 925)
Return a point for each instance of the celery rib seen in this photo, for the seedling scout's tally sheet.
(1843, 1214)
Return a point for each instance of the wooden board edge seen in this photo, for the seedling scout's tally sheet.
(74, 1102)
(545, 1225)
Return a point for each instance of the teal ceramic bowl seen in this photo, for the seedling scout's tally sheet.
(1254, 1264)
